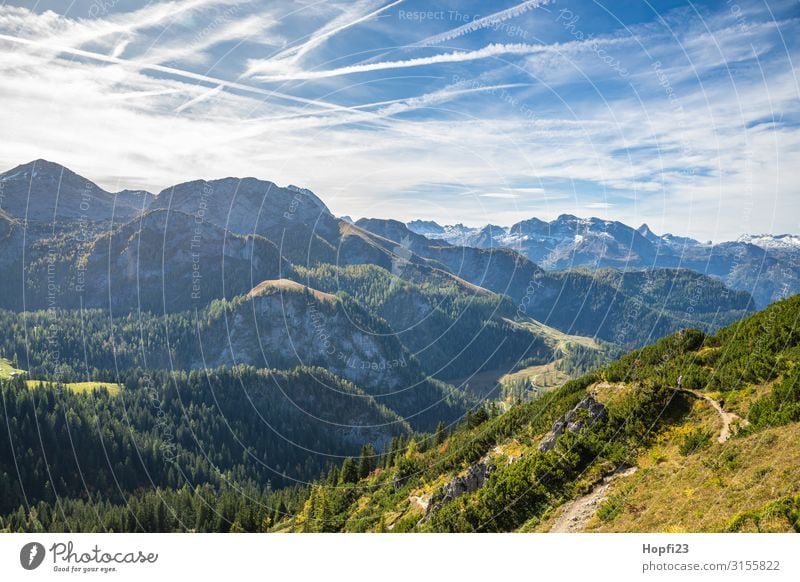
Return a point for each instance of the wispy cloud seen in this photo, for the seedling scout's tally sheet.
(493, 132)
(286, 62)
(492, 50)
(491, 20)
(503, 195)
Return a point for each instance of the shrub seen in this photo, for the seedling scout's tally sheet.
(696, 440)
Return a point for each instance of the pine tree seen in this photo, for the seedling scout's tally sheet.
(349, 472)
(441, 433)
(366, 462)
(333, 476)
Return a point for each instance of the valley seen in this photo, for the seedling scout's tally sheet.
(228, 355)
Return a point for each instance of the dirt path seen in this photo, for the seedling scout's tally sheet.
(727, 417)
(578, 512)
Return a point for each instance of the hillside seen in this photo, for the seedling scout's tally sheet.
(171, 430)
(630, 308)
(641, 448)
(277, 325)
(203, 240)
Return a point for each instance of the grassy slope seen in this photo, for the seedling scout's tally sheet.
(6, 369)
(78, 387)
(749, 483)
(712, 490)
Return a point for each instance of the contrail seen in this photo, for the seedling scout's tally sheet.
(168, 70)
(202, 97)
(302, 49)
(489, 51)
(484, 22)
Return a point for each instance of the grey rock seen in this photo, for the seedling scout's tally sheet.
(585, 414)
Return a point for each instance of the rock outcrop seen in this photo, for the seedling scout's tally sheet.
(585, 414)
(475, 477)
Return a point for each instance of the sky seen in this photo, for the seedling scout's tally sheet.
(684, 115)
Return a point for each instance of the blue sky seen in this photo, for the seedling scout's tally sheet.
(685, 115)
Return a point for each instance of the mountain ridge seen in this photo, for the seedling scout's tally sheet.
(206, 228)
(569, 241)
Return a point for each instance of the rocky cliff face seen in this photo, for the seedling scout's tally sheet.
(282, 324)
(293, 218)
(585, 414)
(473, 479)
(162, 262)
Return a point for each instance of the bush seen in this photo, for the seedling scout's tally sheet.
(694, 441)
(611, 508)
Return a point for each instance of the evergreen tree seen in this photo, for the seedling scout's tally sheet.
(441, 433)
(367, 461)
(349, 471)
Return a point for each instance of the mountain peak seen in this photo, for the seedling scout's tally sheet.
(35, 168)
(566, 218)
(648, 234)
(45, 191)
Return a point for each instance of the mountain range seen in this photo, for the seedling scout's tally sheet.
(203, 240)
(241, 332)
(766, 266)
(272, 279)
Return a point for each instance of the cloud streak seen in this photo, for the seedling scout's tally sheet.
(485, 22)
(491, 51)
(492, 132)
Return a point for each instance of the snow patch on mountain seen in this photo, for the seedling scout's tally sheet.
(772, 242)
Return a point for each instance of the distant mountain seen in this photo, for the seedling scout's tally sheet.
(427, 228)
(626, 308)
(293, 218)
(161, 261)
(764, 265)
(45, 192)
(773, 242)
(204, 240)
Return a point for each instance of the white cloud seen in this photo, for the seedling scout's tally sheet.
(502, 195)
(485, 22)
(371, 153)
(261, 70)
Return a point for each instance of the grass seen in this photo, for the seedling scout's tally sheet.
(78, 387)
(545, 375)
(739, 401)
(6, 369)
(690, 483)
(556, 338)
(710, 490)
(287, 285)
